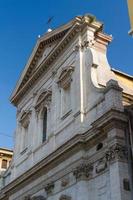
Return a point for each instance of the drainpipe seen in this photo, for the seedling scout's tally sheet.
(129, 143)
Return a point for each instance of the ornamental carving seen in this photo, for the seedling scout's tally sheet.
(101, 165)
(25, 118)
(44, 100)
(116, 152)
(84, 44)
(84, 170)
(65, 77)
(65, 197)
(65, 181)
(49, 188)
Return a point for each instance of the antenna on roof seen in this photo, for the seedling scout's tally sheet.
(49, 22)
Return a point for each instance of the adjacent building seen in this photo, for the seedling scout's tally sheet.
(5, 160)
(130, 10)
(73, 138)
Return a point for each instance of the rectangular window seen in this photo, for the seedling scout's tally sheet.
(65, 101)
(4, 164)
(24, 141)
(44, 126)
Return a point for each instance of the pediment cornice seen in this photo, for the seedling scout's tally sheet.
(29, 77)
(43, 100)
(65, 77)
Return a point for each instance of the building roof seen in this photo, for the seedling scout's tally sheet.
(6, 151)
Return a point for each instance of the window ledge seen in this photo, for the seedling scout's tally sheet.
(66, 114)
(23, 151)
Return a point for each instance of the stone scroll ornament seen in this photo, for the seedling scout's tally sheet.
(84, 44)
(83, 171)
(116, 152)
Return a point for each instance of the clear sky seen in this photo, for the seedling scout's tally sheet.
(21, 21)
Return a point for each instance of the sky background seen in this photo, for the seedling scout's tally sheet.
(21, 21)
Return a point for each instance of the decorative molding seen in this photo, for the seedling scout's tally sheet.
(65, 77)
(65, 181)
(83, 171)
(116, 152)
(44, 100)
(101, 165)
(65, 197)
(49, 188)
(25, 118)
(85, 44)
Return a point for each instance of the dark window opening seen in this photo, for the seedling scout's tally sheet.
(44, 125)
(126, 184)
(4, 164)
(99, 146)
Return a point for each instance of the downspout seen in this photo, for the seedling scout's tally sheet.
(129, 143)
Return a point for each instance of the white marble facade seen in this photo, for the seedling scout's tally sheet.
(69, 141)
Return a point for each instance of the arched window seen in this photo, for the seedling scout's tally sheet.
(42, 108)
(44, 125)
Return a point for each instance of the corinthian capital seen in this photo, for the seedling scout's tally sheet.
(83, 171)
(116, 152)
(49, 188)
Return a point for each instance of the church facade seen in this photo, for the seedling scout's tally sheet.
(72, 140)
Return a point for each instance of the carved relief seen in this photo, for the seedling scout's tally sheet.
(65, 197)
(65, 181)
(84, 44)
(83, 171)
(65, 77)
(116, 152)
(25, 118)
(101, 165)
(49, 188)
(43, 100)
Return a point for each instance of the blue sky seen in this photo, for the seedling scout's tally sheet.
(22, 21)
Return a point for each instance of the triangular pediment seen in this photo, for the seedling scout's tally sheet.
(46, 50)
(42, 49)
